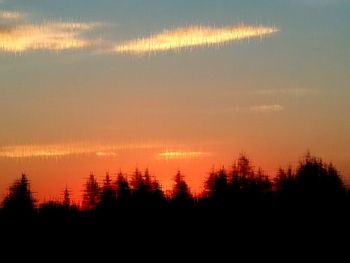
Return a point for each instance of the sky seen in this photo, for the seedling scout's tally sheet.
(92, 86)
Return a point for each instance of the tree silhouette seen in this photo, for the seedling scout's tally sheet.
(285, 183)
(209, 186)
(316, 178)
(313, 180)
(66, 198)
(20, 198)
(312, 188)
(243, 168)
(262, 182)
(136, 181)
(181, 195)
(157, 194)
(242, 175)
(108, 195)
(217, 185)
(122, 189)
(147, 182)
(146, 191)
(91, 196)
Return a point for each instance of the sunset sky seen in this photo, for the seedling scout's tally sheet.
(96, 86)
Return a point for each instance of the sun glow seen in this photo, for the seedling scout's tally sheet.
(189, 37)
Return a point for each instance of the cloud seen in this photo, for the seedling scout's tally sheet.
(318, 2)
(299, 92)
(171, 155)
(47, 36)
(18, 34)
(10, 15)
(106, 154)
(50, 150)
(64, 150)
(266, 108)
(190, 37)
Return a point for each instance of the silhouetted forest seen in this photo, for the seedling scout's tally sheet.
(239, 198)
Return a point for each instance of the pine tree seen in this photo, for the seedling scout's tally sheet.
(136, 180)
(180, 190)
(20, 198)
(108, 195)
(122, 188)
(66, 198)
(91, 193)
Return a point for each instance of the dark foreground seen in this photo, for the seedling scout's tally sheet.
(241, 210)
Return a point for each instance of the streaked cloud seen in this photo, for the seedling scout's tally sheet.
(57, 150)
(49, 150)
(263, 108)
(190, 37)
(18, 34)
(324, 3)
(47, 36)
(298, 92)
(170, 155)
(266, 108)
(10, 15)
(106, 154)
(64, 150)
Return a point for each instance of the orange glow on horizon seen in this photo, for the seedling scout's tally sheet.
(50, 175)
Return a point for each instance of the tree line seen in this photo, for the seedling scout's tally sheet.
(241, 186)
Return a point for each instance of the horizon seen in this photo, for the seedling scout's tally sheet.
(102, 86)
(197, 191)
